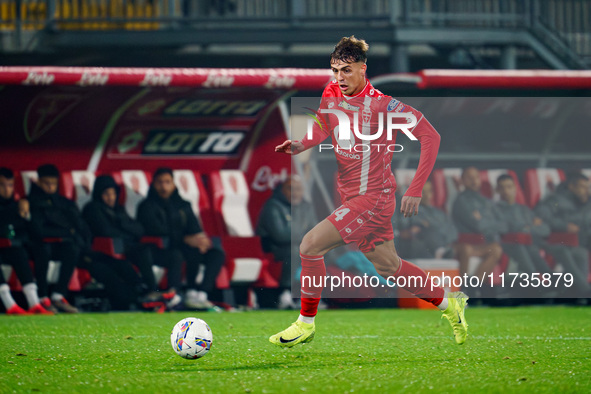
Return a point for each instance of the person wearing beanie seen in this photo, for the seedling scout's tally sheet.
(106, 217)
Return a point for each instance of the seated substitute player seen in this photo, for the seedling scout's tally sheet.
(473, 213)
(107, 218)
(430, 234)
(16, 226)
(165, 214)
(366, 185)
(56, 217)
(521, 219)
(564, 211)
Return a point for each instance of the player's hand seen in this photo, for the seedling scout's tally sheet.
(572, 228)
(203, 242)
(290, 147)
(199, 241)
(24, 209)
(410, 206)
(477, 215)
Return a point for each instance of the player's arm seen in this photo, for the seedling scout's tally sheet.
(319, 133)
(429, 139)
(290, 147)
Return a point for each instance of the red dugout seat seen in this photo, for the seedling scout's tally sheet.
(540, 182)
(489, 184)
(190, 186)
(77, 186)
(447, 184)
(246, 262)
(135, 186)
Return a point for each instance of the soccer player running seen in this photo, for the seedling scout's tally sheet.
(366, 185)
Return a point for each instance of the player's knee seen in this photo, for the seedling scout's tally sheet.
(385, 264)
(309, 245)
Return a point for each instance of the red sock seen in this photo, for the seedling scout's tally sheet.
(312, 279)
(408, 269)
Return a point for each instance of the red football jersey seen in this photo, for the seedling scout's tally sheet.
(364, 166)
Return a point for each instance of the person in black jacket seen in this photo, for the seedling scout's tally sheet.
(107, 218)
(16, 230)
(165, 214)
(67, 238)
(564, 211)
(472, 213)
(64, 236)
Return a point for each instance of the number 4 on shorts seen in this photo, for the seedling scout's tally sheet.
(340, 214)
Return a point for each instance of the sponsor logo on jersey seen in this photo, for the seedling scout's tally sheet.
(345, 105)
(400, 108)
(347, 154)
(392, 104)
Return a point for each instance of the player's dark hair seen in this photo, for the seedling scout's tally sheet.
(465, 170)
(162, 171)
(350, 50)
(504, 177)
(48, 170)
(6, 173)
(573, 178)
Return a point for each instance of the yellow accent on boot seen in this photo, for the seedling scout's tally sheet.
(298, 332)
(454, 313)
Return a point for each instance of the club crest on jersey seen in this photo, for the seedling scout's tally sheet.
(366, 115)
(392, 104)
(347, 106)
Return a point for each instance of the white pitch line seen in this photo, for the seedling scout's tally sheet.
(230, 337)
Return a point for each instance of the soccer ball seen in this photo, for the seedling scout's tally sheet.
(191, 338)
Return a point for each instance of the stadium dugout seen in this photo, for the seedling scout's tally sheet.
(217, 129)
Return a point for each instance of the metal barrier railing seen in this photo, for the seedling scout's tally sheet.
(569, 19)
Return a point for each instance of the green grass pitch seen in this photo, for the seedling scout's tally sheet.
(534, 349)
